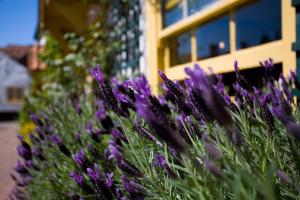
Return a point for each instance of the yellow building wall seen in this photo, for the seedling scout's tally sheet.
(157, 53)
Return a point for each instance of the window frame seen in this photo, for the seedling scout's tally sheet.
(158, 53)
(217, 10)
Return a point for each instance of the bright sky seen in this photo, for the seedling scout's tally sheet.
(18, 21)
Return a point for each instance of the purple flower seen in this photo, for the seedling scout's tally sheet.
(236, 67)
(36, 120)
(197, 75)
(145, 133)
(89, 127)
(37, 151)
(129, 168)
(78, 138)
(109, 179)
(293, 129)
(160, 122)
(131, 186)
(79, 157)
(94, 173)
(24, 152)
(159, 160)
(268, 64)
(281, 115)
(295, 80)
(141, 86)
(101, 113)
(78, 108)
(114, 152)
(212, 151)
(212, 168)
(97, 73)
(283, 177)
(56, 139)
(21, 169)
(78, 178)
(116, 133)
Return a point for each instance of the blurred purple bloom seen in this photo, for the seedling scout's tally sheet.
(94, 173)
(131, 186)
(78, 108)
(79, 157)
(21, 169)
(78, 178)
(159, 160)
(212, 168)
(116, 133)
(97, 73)
(114, 152)
(292, 127)
(212, 151)
(267, 63)
(283, 177)
(159, 122)
(24, 152)
(89, 127)
(109, 179)
(129, 168)
(56, 139)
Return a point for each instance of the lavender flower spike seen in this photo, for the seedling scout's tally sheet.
(283, 177)
(109, 180)
(213, 168)
(97, 73)
(292, 127)
(94, 173)
(213, 151)
(159, 160)
(131, 186)
(78, 178)
(79, 157)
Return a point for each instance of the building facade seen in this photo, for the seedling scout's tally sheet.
(172, 34)
(14, 84)
(215, 33)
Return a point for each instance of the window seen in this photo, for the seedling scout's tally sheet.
(258, 23)
(172, 12)
(298, 25)
(213, 38)
(180, 49)
(14, 94)
(196, 5)
(255, 77)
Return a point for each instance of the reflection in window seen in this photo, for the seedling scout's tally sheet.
(180, 49)
(258, 23)
(196, 5)
(172, 11)
(213, 38)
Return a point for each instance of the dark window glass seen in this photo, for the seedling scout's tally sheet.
(213, 38)
(172, 12)
(258, 23)
(298, 25)
(196, 5)
(255, 76)
(14, 94)
(180, 49)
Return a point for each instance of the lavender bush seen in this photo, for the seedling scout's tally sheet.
(192, 142)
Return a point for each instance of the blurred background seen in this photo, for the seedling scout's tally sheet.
(47, 46)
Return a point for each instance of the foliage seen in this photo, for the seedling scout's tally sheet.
(193, 142)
